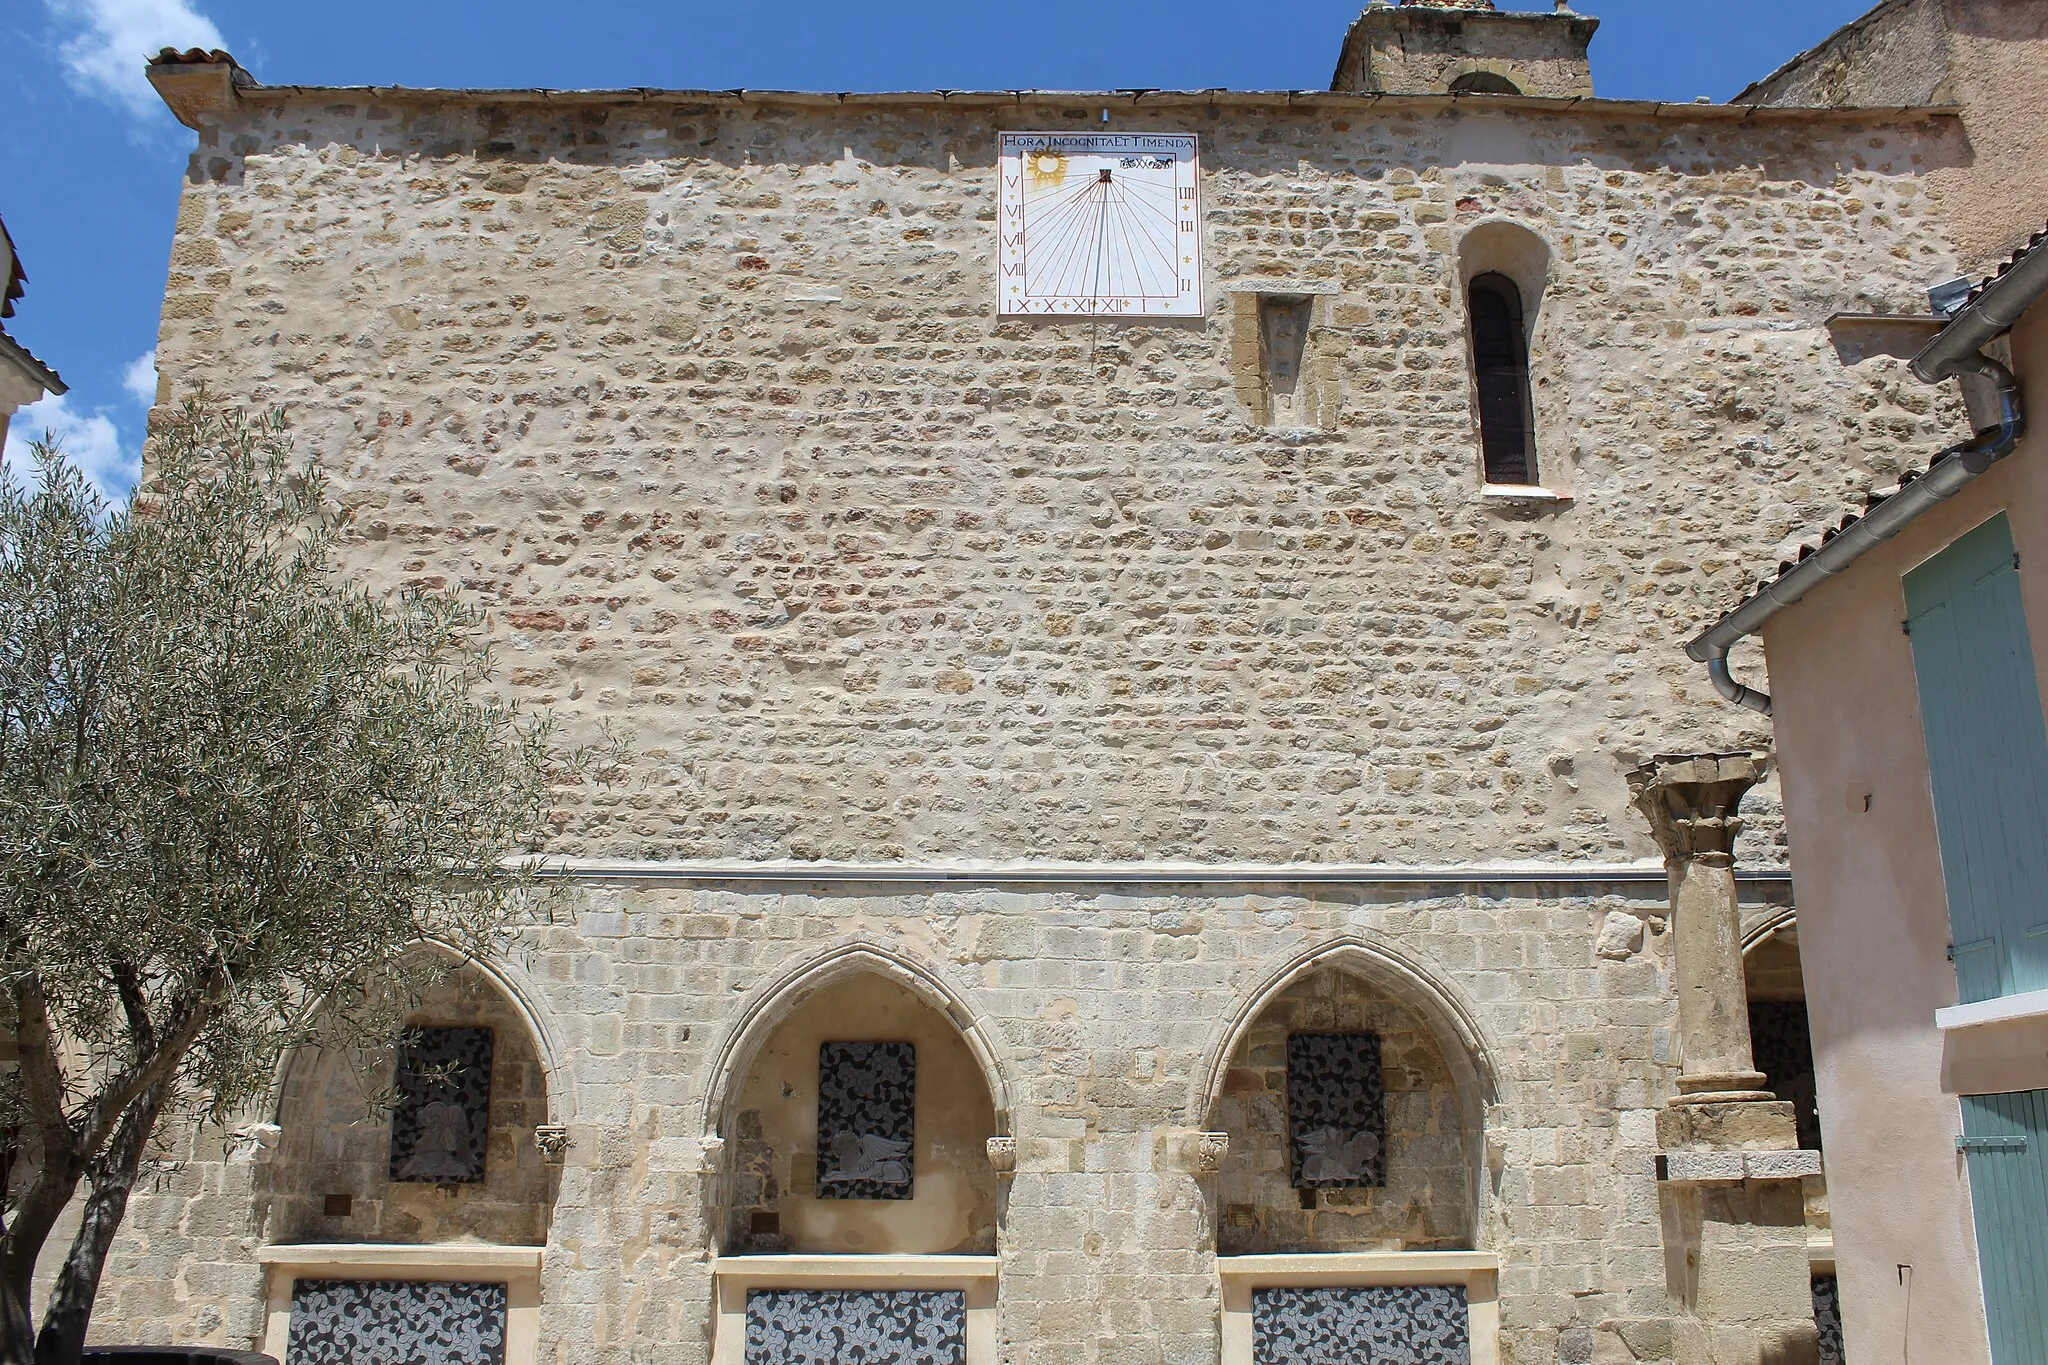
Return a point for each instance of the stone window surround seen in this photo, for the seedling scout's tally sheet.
(1478, 1272)
(517, 1268)
(733, 1276)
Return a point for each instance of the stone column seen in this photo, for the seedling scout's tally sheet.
(1691, 803)
(1729, 1170)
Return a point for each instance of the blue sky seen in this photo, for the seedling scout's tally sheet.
(90, 161)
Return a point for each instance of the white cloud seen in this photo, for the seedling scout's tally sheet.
(113, 40)
(89, 440)
(140, 379)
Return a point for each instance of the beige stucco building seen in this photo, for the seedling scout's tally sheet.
(1136, 842)
(1892, 1051)
(23, 378)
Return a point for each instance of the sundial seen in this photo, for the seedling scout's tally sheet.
(1103, 225)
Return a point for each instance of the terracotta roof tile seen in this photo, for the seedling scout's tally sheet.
(2005, 267)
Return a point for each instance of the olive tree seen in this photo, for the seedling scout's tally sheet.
(234, 787)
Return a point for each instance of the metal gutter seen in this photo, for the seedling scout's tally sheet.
(1364, 875)
(1955, 350)
(1990, 314)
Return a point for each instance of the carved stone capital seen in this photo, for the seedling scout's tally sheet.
(554, 1142)
(255, 1143)
(1692, 801)
(713, 1160)
(1205, 1152)
(1002, 1154)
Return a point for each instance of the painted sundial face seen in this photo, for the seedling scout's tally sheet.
(1100, 225)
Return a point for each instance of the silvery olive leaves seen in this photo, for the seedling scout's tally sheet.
(1394, 1325)
(867, 1105)
(856, 1327)
(442, 1122)
(396, 1322)
(1336, 1111)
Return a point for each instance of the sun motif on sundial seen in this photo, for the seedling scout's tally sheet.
(1100, 225)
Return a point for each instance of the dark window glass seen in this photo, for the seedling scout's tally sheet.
(867, 1109)
(1783, 1045)
(442, 1124)
(1500, 362)
(1484, 83)
(1336, 1111)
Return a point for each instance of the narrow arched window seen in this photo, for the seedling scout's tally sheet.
(1500, 363)
(1484, 83)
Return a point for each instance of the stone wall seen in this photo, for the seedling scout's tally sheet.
(705, 399)
(1990, 57)
(1897, 54)
(1110, 1015)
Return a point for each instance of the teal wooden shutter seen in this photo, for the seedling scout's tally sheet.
(1987, 757)
(2006, 1141)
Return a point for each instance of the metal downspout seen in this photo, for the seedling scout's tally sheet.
(1952, 469)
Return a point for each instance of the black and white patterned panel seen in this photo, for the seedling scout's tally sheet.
(442, 1123)
(1336, 1111)
(867, 1109)
(396, 1322)
(1393, 1325)
(1827, 1315)
(871, 1327)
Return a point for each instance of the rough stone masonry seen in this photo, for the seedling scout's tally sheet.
(705, 397)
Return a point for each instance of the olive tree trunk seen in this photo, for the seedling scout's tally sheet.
(110, 1181)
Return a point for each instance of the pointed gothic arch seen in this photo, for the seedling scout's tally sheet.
(795, 1122)
(1354, 1084)
(770, 1004)
(1404, 978)
(519, 992)
(355, 1159)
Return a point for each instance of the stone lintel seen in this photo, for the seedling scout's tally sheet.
(1728, 1168)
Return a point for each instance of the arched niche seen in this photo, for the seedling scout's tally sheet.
(1504, 273)
(1781, 1038)
(1487, 76)
(1484, 83)
(1502, 246)
(335, 1176)
(771, 1199)
(1436, 1083)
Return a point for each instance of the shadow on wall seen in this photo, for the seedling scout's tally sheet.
(861, 1128)
(442, 1150)
(1349, 1128)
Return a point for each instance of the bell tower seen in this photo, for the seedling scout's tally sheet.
(1434, 47)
